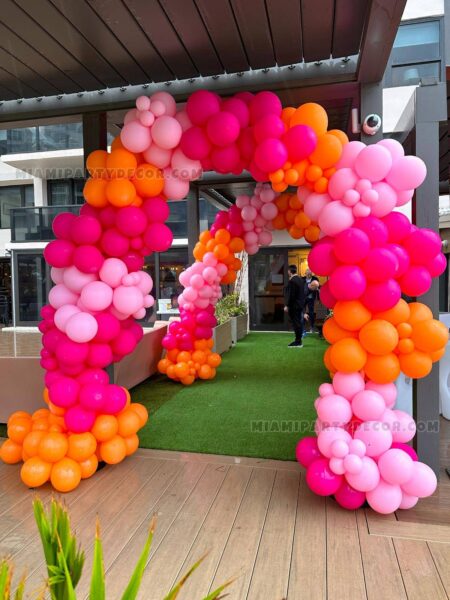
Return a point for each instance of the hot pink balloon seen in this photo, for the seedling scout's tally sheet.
(307, 451)
(321, 480)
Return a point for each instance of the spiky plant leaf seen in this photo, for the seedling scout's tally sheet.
(134, 584)
(215, 595)
(97, 591)
(69, 590)
(5, 579)
(176, 589)
(20, 591)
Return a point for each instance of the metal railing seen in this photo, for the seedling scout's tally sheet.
(34, 224)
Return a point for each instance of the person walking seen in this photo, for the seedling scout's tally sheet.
(312, 285)
(295, 297)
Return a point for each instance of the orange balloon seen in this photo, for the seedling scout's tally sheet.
(88, 466)
(173, 354)
(291, 176)
(332, 332)
(10, 452)
(279, 222)
(287, 113)
(382, 369)
(96, 163)
(105, 428)
(302, 220)
(18, 413)
(405, 346)
(404, 330)
(40, 425)
(81, 446)
(113, 451)
(228, 278)
(311, 114)
(204, 237)
(416, 364)
(94, 192)
(351, 314)
(199, 251)
(181, 370)
(129, 422)
(42, 413)
(141, 411)
(294, 202)
(419, 312)
(327, 152)
(321, 185)
(121, 163)
(399, 313)
(131, 443)
(236, 244)
(429, 336)
(435, 356)
(341, 136)
(53, 447)
(56, 410)
(327, 360)
(184, 356)
(348, 355)
(19, 428)
(214, 360)
(188, 380)
(312, 233)
(32, 441)
(148, 181)
(35, 472)
(313, 173)
(205, 372)
(117, 143)
(221, 251)
(378, 337)
(296, 233)
(120, 192)
(163, 364)
(222, 236)
(66, 475)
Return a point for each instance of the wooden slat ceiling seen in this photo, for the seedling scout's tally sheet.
(50, 47)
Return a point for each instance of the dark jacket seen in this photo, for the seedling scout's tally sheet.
(295, 293)
(311, 294)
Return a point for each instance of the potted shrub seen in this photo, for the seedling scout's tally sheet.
(222, 331)
(232, 320)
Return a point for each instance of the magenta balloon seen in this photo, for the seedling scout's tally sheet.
(351, 246)
(402, 259)
(422, 246)
(85, 230)
(380, 264)
(406, 448)
(269, 126)
(71, 353)
(158, 237)
(416, 281)
(89, 211)
(59, 253)
(201, 105)
(348, 497)
(107, 216)
(437, 265)
(226, 159)
(321, 480)
(300, 142)
(108, 327)
(156, 209)
(374, 228)
(246, 143)
(92, 396)
(407, 173)
(223, 128)
(270, 155)
(133, 261)
(93, 376)
(381, 296)
(264, 103)
(62, 224)
(169, 342)
(64, 392)
(307, 451)
(79, 420)
(99, 355)
(115, 400)
(114, 243)
(131, 221)
(347, 282)
(326, 297)
(124, 343)
(195, 143)
(88, 259)
(238, 108)
(52, 339)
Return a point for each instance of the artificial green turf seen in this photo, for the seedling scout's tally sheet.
(260, 403)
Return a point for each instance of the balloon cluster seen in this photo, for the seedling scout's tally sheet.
(292, 216)
(361, 451)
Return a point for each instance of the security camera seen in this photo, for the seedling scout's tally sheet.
(372, 124)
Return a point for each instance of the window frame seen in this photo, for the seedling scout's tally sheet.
(22, 200)
(71, 181)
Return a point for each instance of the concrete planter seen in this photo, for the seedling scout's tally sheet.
(239, 328)
(222, 337)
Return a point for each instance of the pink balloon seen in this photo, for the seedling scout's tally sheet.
(313, 203)
(81, 327)
(307, 451)
(349, 153)
(340, 182)
(174, 187)
(62, 225)
(60, 295)
(64, 392)
(403, 428)
(328, 435)
(135, 137)
(269, 211)
(92, 396)
(57, 274)
(347, 282)
(348, 384)
(195, 143)
(335, 217)
(349, 498)
(376, 436)
(437, 265)
(75, 280)
(422, 483)
(166, 132)
(59, 253)
(127, 299)
(225, 159)
(322, 259)
(380, 264)
(131, 221)
(408, 501)
(160, 157)
(270, 155)
(385, 498)
(238, 108)
(85, 230)
(374, 228)
(381, 296)
(63, 314)
(394, 148)
(416, 281)
(396, 466)
(97, 296)
(108, 327)
(368, 405)
(201, 105)
(334, 410)
(422, 246)
(114, 243)
(156, 209)
(112, 271)
(351, 246)
(326, 297)
(158, 237)
(115, 400)
(223, 128)
(78, 419)
(269, 126)
(167, 100)
(264, 103)
(367, 479)
(373, 162)
(321, 480)
(100, 355)
(184, 167)
(407, 173)
(387, 390)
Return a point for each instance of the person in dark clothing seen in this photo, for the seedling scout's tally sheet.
(311, 296)
(295, 297)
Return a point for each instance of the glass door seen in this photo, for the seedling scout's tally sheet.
(32, 283)
(267, 280)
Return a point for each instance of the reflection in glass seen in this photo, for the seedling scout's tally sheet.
(269, 280)
(33, 286)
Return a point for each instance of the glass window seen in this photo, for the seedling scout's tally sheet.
(78, 185)
(14, 196)
(62, 136)
(21, 140)
(412, 74)
(33, 285)
(150, 315)
(208, 213)
(171, 264)
(424, 34)
(63, 192)
(177, 220)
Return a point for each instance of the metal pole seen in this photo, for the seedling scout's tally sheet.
(94, 133)
(193, 219)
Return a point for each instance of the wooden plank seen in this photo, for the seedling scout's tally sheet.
(317, 29)
(348, 27)
(214, 533)
(381, 571)
(286, 27)
(271, 573)
(309, 547)
(419, 572)
(441, 558)
(379, 525)
(240, 552)
(345, 576)
(251, 18)
(166, 509)
(169, 554)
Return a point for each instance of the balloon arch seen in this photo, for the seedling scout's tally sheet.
(344, 203)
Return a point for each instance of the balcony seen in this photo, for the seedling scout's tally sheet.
(34, 224)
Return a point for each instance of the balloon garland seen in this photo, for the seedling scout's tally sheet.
(346, 195)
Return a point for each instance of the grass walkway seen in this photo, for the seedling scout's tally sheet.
(261, 387)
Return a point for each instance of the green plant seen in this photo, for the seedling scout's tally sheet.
(65, 562)
(230, 306)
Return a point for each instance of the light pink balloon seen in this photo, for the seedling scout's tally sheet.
(403, 197)
(340, 182)
(166, 132)
(335, 217)
(408, 501)
(367, 479)
(75, 279)
(63, 314)
(368, 405)
(242, 200)
(183, 119)
(249, 213)
(385, 498)
(407, 173)
(422, 483)
(328, 435)
(159, 157)
(131, 115)
(143, 103)
(269, 211)
(145, 283)
(168, 100)
(314, 205)
(127, 299)
(112, 271)
(373, 163)
(81, 327)
(396, 466)
(387, 390)
(60, 295)
(265, 238)
(175, 188)
(348, 384)
(387, 199)
(349, 153)
(334, 410)
(404, 427)
(57, 274)
(376, 436)
(135, 137)
(394, 148)
(97, 296)
(184, 167)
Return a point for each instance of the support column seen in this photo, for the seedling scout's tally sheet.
(371, 103)
(94, 133)
(193, 219)
(430, 109)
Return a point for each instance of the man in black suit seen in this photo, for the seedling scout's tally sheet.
(295, 298)
(312, 290)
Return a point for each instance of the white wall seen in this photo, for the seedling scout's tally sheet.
(416, 9)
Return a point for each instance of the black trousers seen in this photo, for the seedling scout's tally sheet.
(310, 305)
(296, 317)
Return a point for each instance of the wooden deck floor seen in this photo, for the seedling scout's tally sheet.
(256, 518)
